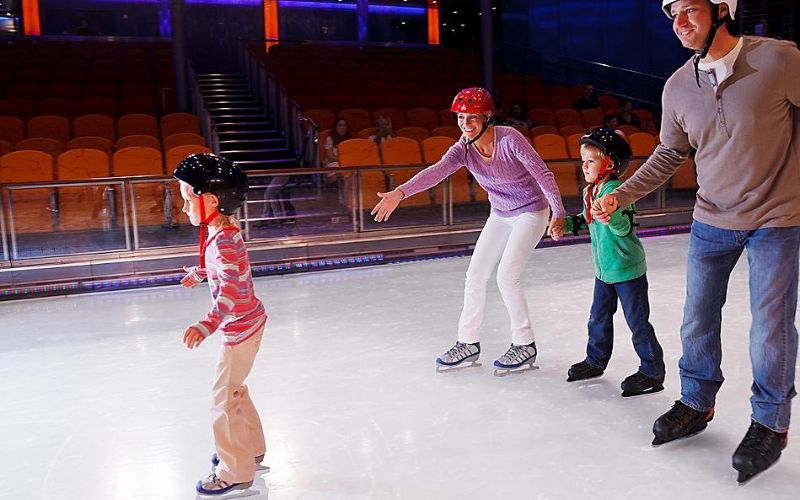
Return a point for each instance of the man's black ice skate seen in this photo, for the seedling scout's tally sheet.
(516, 359)
(582, 371)
(639, 383)
(760, 448)
(680, 421)
(461, 355)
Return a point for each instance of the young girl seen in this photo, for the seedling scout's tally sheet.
(522, 191)
(620, 270)
(213, 189)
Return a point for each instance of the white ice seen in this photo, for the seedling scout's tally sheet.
(101, 401)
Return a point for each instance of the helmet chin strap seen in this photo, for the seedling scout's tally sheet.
(590, 191)
(487, 122)
(204, 221)
(700, 54)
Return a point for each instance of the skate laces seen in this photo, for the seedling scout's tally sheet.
(518, 353)
(760, 439)
(458, 351)
(681, 413)
(214, 482)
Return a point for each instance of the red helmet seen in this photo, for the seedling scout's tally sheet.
(474, 100)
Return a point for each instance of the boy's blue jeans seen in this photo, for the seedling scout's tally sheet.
(636, 307)
(772, 254)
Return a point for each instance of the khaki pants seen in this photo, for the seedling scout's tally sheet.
(237, 428)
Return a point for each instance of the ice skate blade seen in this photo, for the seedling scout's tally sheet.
(584, 378)
(502, 372)
(240, 492)
(644, 393)
(658, 441)
(454, 368)
(262, 468)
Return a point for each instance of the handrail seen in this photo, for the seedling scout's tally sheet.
(357, 204)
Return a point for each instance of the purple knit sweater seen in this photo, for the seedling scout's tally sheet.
(517, 179)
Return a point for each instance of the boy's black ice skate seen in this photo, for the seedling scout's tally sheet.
(461, 355)
(516, 359)
(639, 383)
(760, 448)
(582, 371)
(680, 421)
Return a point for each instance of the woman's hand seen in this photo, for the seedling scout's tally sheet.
(386, 206)
(556, 228)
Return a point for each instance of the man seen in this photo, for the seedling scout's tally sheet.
(735, 103)
(588, 100)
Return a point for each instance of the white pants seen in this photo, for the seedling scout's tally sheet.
(509, 241)
(237, 428)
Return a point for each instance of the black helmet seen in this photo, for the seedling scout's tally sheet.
(209, 173)
(612, 144)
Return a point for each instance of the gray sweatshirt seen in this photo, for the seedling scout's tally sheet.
(746, 135)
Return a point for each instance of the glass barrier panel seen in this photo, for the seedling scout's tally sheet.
(4, 236)
(305, 204)
(64, 220)
(159, 219)
(421, 209)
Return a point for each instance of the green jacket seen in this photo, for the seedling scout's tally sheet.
(617, 253)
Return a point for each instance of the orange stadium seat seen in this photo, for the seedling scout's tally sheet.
(137, 124)
(12, 129)
(93, 126)
(31, 206)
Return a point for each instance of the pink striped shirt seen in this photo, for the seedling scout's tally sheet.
(516, 179)
(236, 311)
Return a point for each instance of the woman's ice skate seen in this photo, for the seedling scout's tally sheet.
(518, 358)
(461, 355)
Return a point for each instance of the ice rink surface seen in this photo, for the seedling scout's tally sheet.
(100, 400)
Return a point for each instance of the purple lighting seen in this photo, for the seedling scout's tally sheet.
(378, 9)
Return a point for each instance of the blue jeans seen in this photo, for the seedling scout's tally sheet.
(772, 254)
(636, 307)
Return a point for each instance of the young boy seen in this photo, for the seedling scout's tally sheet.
(619, 270)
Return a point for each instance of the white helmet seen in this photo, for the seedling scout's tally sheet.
(731, 6)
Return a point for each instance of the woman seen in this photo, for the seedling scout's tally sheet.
(522, 191)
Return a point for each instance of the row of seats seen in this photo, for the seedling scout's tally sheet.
(76, 90)
(359, 119)
(80, 207)
(55, 147)
(550, 145)
(13, 130)
(100, 105)
(95, 74)
(405, 151)
(553, 122)
(89, 163)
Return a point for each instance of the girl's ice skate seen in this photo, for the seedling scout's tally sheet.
(461, 355)
(518, 358)
(213, 486)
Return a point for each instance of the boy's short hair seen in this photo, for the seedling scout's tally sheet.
(592, 149)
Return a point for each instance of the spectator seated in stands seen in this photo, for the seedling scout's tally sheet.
(518, 116)
(588, 100)
(384, 132)
(627, 116)
(340, 133)
(610, 122)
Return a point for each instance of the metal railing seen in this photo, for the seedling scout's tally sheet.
(325, 201)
